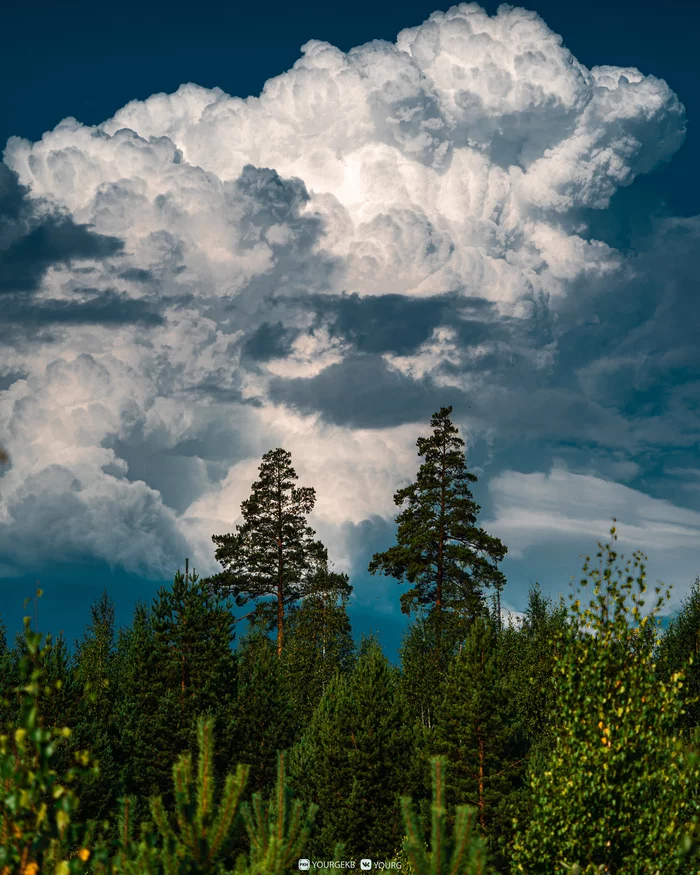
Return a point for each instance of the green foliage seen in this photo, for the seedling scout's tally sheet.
(424, 665)
(264, 721)
(95, 725)
(439, 549)
(175, 664)
(192, 638)
(679, 643)
(38, 831)
(319, 642)
(615, 793)
(130, 857)
(353, 759)
(476, 729)
(529, 653)
(465, 854)
(277, 831)
(273, 552)
(196, 838)
(145, 712)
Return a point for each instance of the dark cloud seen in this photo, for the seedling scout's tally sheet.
(269, 210)
(137, 275)
(106, 308)
(268, 341)
(265, 200)
(10, 377)
(56, 240)
(364, 392)
(384, 323)
(32, 240)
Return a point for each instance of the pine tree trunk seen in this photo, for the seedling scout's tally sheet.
(480, 733)
(280, 571)
(481, 777)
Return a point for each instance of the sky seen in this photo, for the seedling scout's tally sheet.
(312, 226)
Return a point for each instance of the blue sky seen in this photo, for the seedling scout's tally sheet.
(481, 215)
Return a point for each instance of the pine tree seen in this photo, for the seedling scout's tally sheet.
(264, 720)
(439, 549)
(319, 641)
(353, 759)
(424, 666)
(616, 792)
(465, 854)
(193, 638)
(175, 664)
(277, 831)
(529, 656)
(199, 833)
(95, 726)
(273, 551)
(680, 641)
(145, 712)
(476, 729)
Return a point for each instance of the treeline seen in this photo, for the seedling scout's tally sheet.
(571, 738)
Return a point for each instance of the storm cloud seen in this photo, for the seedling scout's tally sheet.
(379, 233)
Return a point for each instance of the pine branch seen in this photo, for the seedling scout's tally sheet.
(463, 855)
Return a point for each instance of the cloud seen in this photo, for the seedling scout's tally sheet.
(321, 267)
(531, 509)
(547, 519)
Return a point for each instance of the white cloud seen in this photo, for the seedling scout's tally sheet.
(453, 160)
(531, 509)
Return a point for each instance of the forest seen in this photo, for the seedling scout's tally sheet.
(567, 742)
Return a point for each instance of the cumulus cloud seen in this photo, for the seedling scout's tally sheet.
(320, 267)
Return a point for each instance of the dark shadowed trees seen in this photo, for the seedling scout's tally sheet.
(319, 640)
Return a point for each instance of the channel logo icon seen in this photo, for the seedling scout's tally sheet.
(304, 865)
(365, 865)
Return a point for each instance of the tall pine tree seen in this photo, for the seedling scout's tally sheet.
(145, 712)
(440, 550)
(273, 552)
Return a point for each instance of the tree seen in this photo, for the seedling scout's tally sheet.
(353, 759)
(175, 664)
(424, 666)
(616, 792)
(273, 551)
(476, 729)
(38, 828)
(264, 720)
(193, 638)
(529, 654)
(277, 831)
(145, 712)
(200, 832)
(681, 640)
(95, 724)
(439, 549)
(319, 641)
(464, 855)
